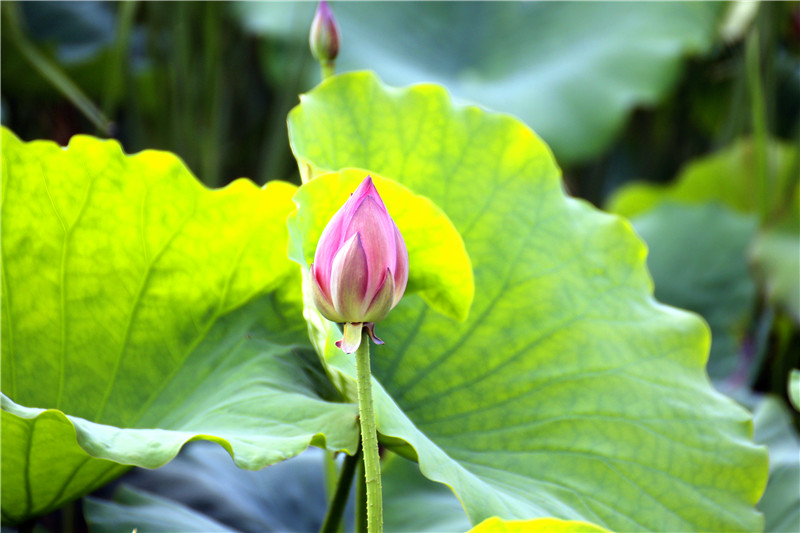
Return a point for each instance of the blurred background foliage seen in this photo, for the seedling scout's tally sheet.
(684, 117)
(619, 91)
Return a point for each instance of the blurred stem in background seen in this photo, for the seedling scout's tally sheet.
(340, 493)
(712, 106)
(197, 79)
(183, 77)
(761, 61)
(289, 61)
(188, 40)
(117, 70)
(763, 177)
(50, 70)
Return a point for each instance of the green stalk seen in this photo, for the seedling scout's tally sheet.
(369, 437)
(51, 72)
(115, 72)
(336, 509)
(759, 122)
(275, 151)
(210, 138)
(328, 69)
(185, 85)
(331, 475)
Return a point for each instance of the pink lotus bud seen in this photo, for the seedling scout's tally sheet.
(360, 268)
(324, 35)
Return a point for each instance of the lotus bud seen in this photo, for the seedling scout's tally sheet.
(324, 36)
(360, 268)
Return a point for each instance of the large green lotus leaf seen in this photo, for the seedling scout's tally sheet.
(698, 260)
(566, 69)
(441, 269)
(61, 469)
(414, 504)
(537, 525)
(569, 392)
(727, 176)
(141, 310)
(781, 501)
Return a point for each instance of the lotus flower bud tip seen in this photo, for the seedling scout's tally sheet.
(324, 36)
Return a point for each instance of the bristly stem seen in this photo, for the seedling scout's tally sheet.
(339, 501)
(369, 438)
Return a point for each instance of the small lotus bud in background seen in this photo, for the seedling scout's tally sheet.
(324, 38)
(360, 267)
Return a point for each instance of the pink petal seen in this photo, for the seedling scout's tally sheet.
(349, 276)
(333, 236)
(376, 228)
(382, 303)
(401, 267)
(350, 273)
(329, 243)
(367, 189)
(322, 301)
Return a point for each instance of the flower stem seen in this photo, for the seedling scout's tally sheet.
(759, 123)
(339, 501)
(327, 68)
(369, 438)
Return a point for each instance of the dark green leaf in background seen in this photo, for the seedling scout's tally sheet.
(776, 253)
(697, 255)
(730, 176)
(138, 510)
(566, 69)
(781, 501)
(79, 30)
(202, 484)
